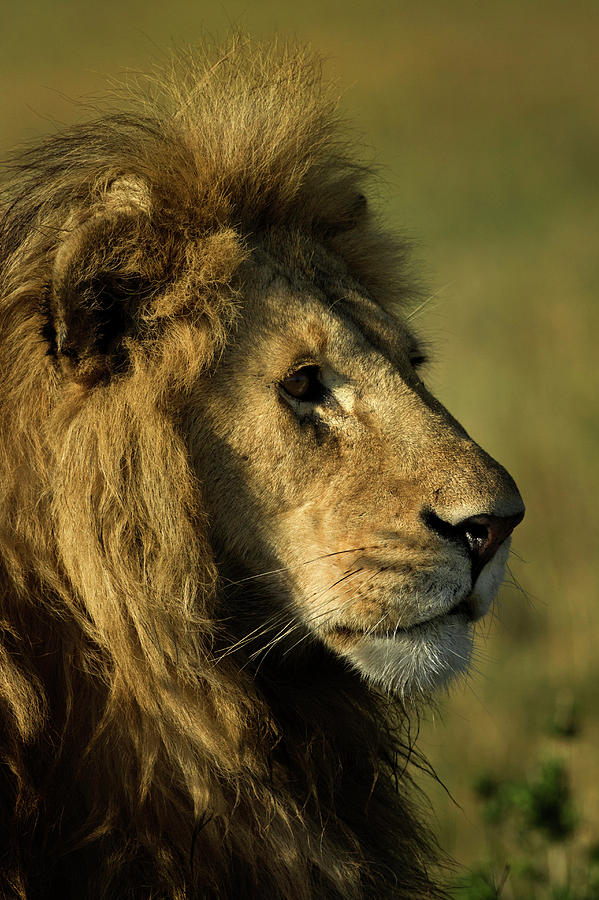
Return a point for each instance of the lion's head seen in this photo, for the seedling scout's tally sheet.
(232, 511)
(376, 525)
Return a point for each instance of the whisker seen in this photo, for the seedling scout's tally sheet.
(274, 620)
(517, 556)
(309, 621)
(514, 581)
(307, 562)
(430, 298)
(373, 628)
(271, 622)
(306, 623)
(313, 618)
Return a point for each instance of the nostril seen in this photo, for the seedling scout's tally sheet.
(471, 533)
(485, 534)
(480, 535)
(477, 534)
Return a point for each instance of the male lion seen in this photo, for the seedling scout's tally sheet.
(237, 534)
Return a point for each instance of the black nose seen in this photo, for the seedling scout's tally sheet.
(481, 535)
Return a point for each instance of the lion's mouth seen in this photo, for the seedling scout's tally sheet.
(465, 609)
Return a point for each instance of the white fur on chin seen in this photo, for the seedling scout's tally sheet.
(418, 661)
(427, 656)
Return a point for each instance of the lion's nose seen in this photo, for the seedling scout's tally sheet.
(481, 535)
(484, 535)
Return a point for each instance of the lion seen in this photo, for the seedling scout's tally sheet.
(239, 539)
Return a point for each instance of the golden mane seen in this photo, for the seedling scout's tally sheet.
(141, 756)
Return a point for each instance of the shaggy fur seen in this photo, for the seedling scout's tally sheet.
(142, 756)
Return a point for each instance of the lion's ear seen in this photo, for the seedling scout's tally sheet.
(350, 216)
(104, 271)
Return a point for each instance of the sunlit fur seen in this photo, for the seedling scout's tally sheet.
(150, 745)
(434, 652)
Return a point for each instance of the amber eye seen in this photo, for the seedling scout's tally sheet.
(304, 384)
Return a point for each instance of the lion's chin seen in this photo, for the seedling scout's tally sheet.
(416, 660)
(412, 662)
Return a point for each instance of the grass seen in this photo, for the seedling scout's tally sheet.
(484, 116)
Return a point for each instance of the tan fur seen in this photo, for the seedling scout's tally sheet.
(200, 577)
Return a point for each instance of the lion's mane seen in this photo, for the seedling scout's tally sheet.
(140, 756)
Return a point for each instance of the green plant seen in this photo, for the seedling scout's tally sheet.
(532, 829)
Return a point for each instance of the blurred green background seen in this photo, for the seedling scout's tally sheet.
(484, 119)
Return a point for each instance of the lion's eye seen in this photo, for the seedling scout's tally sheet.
(304, 384)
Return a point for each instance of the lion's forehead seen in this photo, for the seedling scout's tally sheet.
(334, 322)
